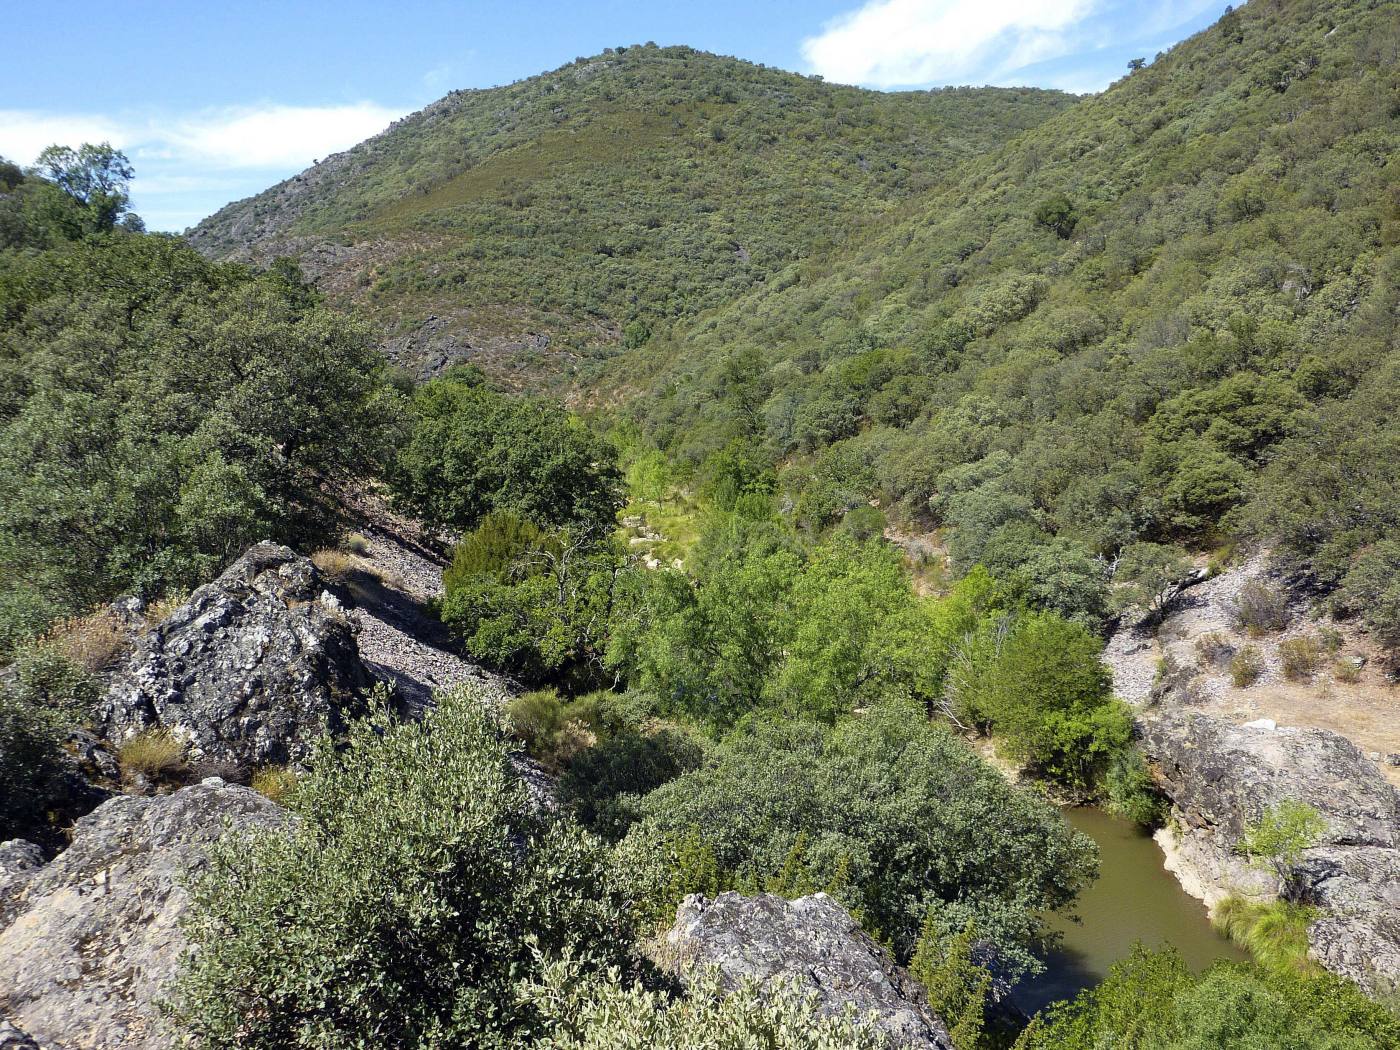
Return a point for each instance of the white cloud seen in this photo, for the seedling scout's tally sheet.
(24, 135)
(188, 164)
(275, 136)
(902, 43)
(889, 43)
(270, 136)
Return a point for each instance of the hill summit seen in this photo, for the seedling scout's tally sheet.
(530, 226)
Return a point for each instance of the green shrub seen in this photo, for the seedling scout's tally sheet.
(1151, 1000)
(864, 523)
(1301, 657)
(416, 891)
(895, 810)
(958, 986)
(473, 451)
(1246, 666)
(31, 764)
(604, 783)
(1042, 690)
(1278, 838)
(1131, 791)
(582, 1013)
(1348, 671)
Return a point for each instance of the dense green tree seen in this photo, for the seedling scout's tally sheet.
(536, 603)
(158, 413)
(899, 811)
(472, 451)
(96, 176)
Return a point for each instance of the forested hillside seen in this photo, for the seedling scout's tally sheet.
(567, 215)
(1167, 314)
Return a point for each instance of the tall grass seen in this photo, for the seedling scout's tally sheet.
(1276, 933)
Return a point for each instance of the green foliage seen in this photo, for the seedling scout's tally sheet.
(957, 985)
(1040, 688)
(1148, 574)
(1209, 351)
(1275, 934)
(96, 177)
(41, 697)
(1131, 791)
(532, 602)
(605, 782)
(602, 208)
(473, 451)
(602, 1014)
(494, 547)
(416, 890)
(1151, 1001)
(1058, 215)
(159, 413)
(1283, 831)
(894, 814)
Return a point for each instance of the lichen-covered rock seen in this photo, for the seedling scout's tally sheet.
(814, 941)
(1222, 777)
(249, 671)
(89, 940)
(1225, 776)
(12, 1038)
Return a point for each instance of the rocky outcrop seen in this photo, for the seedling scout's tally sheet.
(250, 671)
(814, 941)
(1222, 777)
(88, 940)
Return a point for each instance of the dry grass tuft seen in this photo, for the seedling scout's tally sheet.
(161, 609)
(356, 543)
(93, 642)
(274, 782)
(334, 565)
(1246, 667)
(156, 753)
(1301, 658)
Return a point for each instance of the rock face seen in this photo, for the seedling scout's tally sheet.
(88, 940)
(249, 671)
(814, 941)
(1222, 777)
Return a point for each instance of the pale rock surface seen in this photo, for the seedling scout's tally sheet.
(814, 941)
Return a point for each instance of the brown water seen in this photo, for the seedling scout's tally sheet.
(1134, 899)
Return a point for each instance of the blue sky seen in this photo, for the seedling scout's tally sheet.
(214, 101)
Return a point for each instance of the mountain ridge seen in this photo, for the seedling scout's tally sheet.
(554, 212)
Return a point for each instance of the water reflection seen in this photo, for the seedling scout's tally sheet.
(1134, 899)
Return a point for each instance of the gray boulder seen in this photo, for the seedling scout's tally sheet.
(12, 1038)
(249, 671)
(89, 940)
(814, 941)
(1222, 777)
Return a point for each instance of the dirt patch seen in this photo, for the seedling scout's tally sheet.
(1187, 662)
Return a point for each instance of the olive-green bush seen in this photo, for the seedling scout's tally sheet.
(416, 888)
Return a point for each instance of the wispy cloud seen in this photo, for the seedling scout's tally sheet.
(903, 43)
(187, 164)
(236, 137)
(275, 136)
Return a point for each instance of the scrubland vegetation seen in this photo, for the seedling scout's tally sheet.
(1159, 320)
